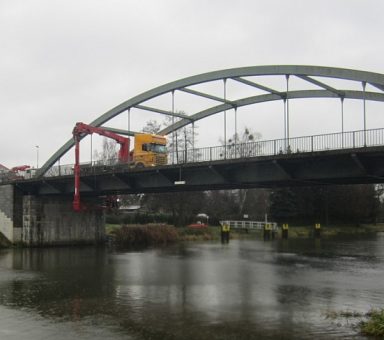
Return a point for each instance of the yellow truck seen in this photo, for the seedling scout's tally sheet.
(149, 150)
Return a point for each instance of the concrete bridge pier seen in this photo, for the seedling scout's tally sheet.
(47, 221)
(11, 211)
(52, 221)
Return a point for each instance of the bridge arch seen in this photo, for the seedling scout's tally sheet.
(240, 75)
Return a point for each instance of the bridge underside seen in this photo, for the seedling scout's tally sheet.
(353, 166)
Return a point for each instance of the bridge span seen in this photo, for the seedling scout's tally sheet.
(38, 210)
(339, 158)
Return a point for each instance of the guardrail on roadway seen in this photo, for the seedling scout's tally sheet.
(331, 141)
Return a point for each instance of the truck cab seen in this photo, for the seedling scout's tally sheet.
(149, 150)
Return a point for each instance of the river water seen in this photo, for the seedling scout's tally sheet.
(247, 289)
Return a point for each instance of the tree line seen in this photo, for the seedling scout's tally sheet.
(328, 205)
(336, 204)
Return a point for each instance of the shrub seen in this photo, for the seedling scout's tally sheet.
(137, 218)
(144, 236)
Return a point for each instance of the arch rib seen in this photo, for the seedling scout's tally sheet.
(258, 86)
(306, 94)
(375, 79)
(324, 86)
(168, 113)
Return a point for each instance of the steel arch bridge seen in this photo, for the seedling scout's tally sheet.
(317, 76)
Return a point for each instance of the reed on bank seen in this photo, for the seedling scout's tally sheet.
(145, 236)
(374, 325)
(131, 236)
(370, 323)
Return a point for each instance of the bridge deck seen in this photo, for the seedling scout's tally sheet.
(311, 164)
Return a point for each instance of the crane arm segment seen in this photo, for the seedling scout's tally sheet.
(85, 129)
(82, 129)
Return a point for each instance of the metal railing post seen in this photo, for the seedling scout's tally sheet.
(365, 115)
(353, 139)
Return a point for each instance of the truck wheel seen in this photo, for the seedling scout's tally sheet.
(139, 165)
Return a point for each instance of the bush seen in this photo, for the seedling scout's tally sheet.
(144, 236)
(138, 218)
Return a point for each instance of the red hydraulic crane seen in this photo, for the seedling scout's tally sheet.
(20, 168)
(80, 131)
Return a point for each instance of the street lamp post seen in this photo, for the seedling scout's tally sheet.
(37, 156)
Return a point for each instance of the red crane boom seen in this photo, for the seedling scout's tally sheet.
(79, 131)
(20, 168)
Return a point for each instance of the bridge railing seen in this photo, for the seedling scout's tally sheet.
(88, 168)
(249, 225)
(331, 141)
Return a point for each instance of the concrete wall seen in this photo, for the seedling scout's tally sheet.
(39, 221)
(52, 221)
(10, 213)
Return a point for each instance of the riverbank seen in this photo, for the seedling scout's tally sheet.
(308, 231)
(374, 326)
(157, 235)
(161, 234)
(331, 231)
(370, 323)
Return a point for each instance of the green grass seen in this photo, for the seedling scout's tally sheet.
(203, 234)
(374, 326)
(371, 324)
(111, 228)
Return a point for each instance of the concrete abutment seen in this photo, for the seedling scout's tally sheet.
(47, 221)
(11, 213)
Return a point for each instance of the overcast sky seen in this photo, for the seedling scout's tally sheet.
(64, 61)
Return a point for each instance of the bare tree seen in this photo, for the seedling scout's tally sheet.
(152, 126)
(181, 206)
(242, 145)
(108, 155)
(181, 143)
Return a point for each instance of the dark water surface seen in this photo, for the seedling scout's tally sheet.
(244, 290)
